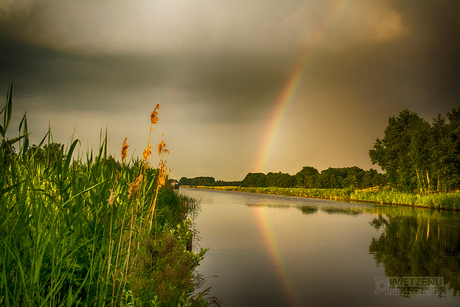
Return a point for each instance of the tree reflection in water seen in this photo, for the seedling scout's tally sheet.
(414, 242)
(419, 243)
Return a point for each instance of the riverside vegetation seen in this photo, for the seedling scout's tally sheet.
(91, 231)
(420, 160)
(447, 200)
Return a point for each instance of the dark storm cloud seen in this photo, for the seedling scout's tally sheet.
(435, 32)
(219, 68)
(419, 71)
(224, 81)
(388, 77)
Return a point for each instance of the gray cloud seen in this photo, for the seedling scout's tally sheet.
(218, 69)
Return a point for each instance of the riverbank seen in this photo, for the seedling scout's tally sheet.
(81, 236)
(444, 200)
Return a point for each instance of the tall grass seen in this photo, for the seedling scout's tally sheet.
(79, 232)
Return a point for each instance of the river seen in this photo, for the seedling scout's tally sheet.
(267, 250)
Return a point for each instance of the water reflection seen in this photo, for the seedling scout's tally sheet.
(308, 209)
(418, 245)
(286, 251)
(277, 206)
(313, 209)
(414, 242)
(347, 211)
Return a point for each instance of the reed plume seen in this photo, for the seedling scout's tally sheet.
(153, 120)
(146, 154)
(124, 151)
(162, 174)
(161, 148)
(154, 116)
(163, 170)
(134, 186)
(112, 197)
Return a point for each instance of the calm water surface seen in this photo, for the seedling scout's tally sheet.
(271, 250)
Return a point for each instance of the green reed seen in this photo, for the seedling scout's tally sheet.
(74, 233)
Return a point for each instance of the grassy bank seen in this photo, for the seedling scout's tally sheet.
(91, 231)
(448, 200)
(72, 235)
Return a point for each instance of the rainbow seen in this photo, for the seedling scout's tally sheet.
(291, 86)
(275, 122)
(270, 242)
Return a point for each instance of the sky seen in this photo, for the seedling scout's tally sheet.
(243, 86)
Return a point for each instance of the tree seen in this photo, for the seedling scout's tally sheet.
(404, 152)
(420, 153)
(452, 156)
(197, 181)
(418, 156)
(279, 179)
(372, 178)
(254, 180)
(332, 178)
(354, 177)
(185, 181)
(50, 153)
(307, 177)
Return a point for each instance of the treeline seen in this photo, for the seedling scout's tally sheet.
(418, 156)
(207, 181)
(310, 177)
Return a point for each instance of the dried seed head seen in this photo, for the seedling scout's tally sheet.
(147, 153)
(154, 115)
(162, 174)
(161, 147)
(133, 187)
(161, 181)
(124, 151)
(111, 198)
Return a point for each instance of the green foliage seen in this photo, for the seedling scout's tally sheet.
(206, 181)
(309, 177)
(254, 180)
(163, 270)
(419, 156)
(7, 151)
(197, 181)
(70, 234)
(49, 154)
(279, 180)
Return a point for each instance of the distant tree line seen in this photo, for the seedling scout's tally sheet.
(206, 181)
(418, 156)
(310, 177)
(50, 153)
